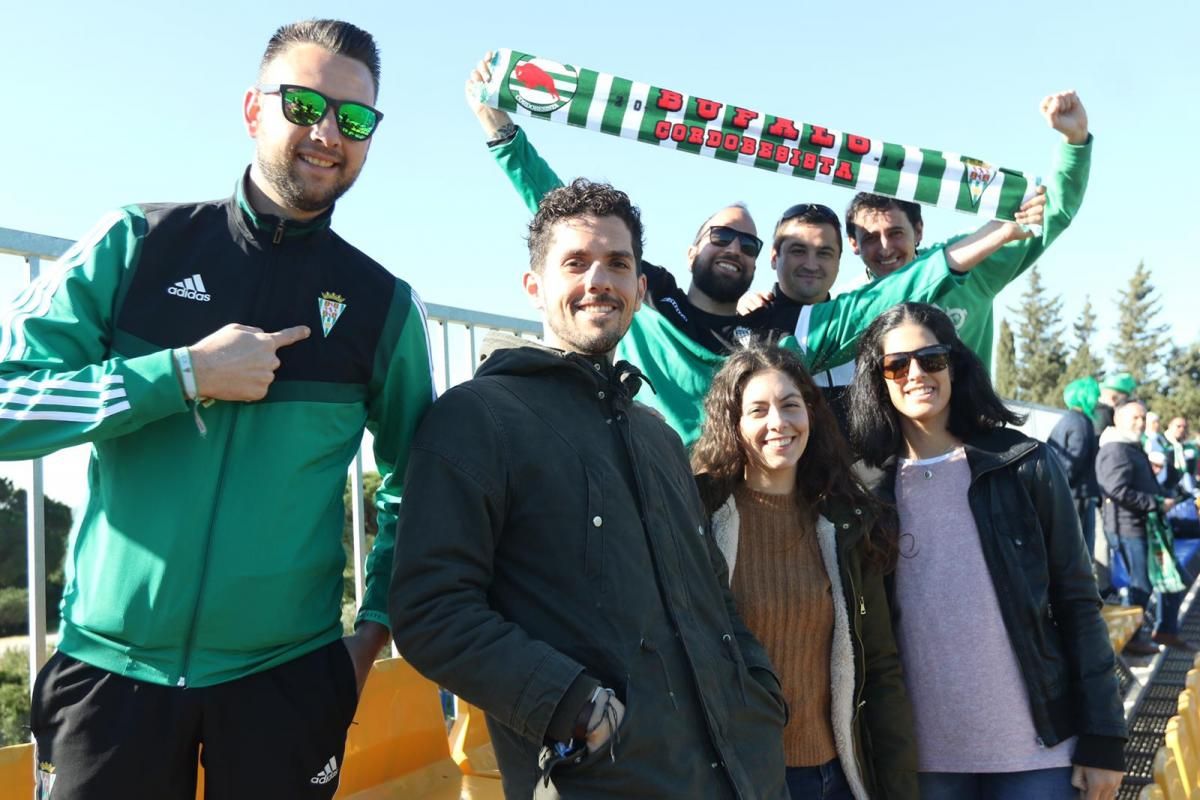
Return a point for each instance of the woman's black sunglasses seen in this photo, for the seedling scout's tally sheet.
(934, 358)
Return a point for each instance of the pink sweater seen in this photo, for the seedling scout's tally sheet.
(970, 705)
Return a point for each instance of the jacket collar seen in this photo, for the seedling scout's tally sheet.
(269, 228)
(784, 301)
(987, 451)
(1111, 434)
(506, 354)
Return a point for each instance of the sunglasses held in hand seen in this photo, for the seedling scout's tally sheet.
(723, 236)
(934, 358)
(304, 107)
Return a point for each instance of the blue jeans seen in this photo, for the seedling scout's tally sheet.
(1037, 784)
(1134, 551)
(823, 782)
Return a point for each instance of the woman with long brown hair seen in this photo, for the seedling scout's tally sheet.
(1010, 670)
(807, 547)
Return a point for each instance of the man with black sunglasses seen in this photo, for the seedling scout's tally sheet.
(223, 358)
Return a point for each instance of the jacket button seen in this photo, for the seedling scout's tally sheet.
(1018, 542)
(858, 512)
(597, 521)
(845, 525)
(595, 366)
(600, 395)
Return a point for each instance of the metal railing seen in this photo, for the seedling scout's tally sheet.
(454, 338)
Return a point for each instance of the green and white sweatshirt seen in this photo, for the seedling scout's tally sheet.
(200, 559)
(969, 303)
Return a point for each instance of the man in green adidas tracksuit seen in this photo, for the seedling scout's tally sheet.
(202, 604)
(886, 232)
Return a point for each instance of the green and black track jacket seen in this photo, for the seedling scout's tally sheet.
(200, 559)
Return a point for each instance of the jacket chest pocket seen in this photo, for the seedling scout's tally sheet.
(1020, 537)
(593, 556)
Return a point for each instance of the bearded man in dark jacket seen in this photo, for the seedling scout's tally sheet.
(553, 564)
(1131, 493)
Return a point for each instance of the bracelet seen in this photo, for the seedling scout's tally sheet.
(503, 134)
(607, 698)
(183, 361)
(579, 730)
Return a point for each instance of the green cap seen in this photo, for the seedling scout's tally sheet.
(1082, 394)
(1121, 382)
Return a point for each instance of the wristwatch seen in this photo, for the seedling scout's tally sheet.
(504, 134)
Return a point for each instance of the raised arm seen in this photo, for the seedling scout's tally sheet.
(1001, 252)
(529, 174)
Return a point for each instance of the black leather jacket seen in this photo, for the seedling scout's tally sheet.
(1035, 554)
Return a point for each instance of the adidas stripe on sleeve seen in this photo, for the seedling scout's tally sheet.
(59, 385)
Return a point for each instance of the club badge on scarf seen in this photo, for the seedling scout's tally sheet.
(538, 87)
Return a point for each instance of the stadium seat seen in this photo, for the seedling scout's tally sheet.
(1183, 753)
(1168, 777)
(1123, 622)
(1151, 792)
(16, 772)
(399, 747)
(470, 743)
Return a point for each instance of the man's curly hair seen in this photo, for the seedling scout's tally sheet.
(582, 197)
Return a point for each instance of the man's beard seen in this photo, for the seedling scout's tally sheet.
(281, 171)
(721, 288)
(587, 342)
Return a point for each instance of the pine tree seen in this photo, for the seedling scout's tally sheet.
(1083, 361)
(1138, 345)
(1179, 392)
(1006, 363)
(1043, 356)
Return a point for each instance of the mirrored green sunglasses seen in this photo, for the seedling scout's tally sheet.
(303, 106)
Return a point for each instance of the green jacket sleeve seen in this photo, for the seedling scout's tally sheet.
(1064, 195)
(400, 395)
(828, 332)
(529, 174)
(60, 382)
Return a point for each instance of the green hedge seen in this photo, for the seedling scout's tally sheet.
(14, 697)
(14, 609)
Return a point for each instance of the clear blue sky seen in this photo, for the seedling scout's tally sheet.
(132, 102)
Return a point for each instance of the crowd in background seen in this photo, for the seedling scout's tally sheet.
(1141, 475)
